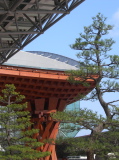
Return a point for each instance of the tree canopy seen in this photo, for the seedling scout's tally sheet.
(16, 129)
(95, 58)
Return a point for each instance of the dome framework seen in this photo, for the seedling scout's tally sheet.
(21, 21)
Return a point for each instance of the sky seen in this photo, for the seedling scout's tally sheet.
(61, 35)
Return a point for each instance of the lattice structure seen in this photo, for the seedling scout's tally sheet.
(48, 130)
(21, 21)
(46, 91)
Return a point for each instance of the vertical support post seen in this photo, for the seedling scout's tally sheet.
(48, 128)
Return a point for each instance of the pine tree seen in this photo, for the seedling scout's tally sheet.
(15, 128)
(95, 59)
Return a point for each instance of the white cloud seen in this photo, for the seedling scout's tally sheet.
(115, 21)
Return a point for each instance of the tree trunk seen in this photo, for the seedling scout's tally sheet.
(90, 155)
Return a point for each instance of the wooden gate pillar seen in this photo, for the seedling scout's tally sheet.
(48, 128)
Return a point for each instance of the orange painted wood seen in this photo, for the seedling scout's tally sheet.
(48, 91)
(10, 72)
(27, 72)
(52, 103)
(39, 126)
(51, 148)
(49, 111)
(49, 132)
(46, 133)
(39, 104)
(52, 134)
(42, 83)
(62, 105)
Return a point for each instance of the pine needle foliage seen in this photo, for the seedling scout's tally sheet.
(15, 128)
(100, 143)
(95, 58)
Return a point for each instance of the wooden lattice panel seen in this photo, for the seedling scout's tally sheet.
(36, 84)
(45, 91)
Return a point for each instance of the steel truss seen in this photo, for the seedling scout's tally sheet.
(21, 21)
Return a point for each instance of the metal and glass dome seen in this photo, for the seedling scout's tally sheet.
(21, 21)
(42, 60)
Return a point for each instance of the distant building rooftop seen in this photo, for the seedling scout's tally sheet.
(42, 60)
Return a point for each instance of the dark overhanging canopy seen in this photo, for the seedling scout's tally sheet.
(21, 21)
